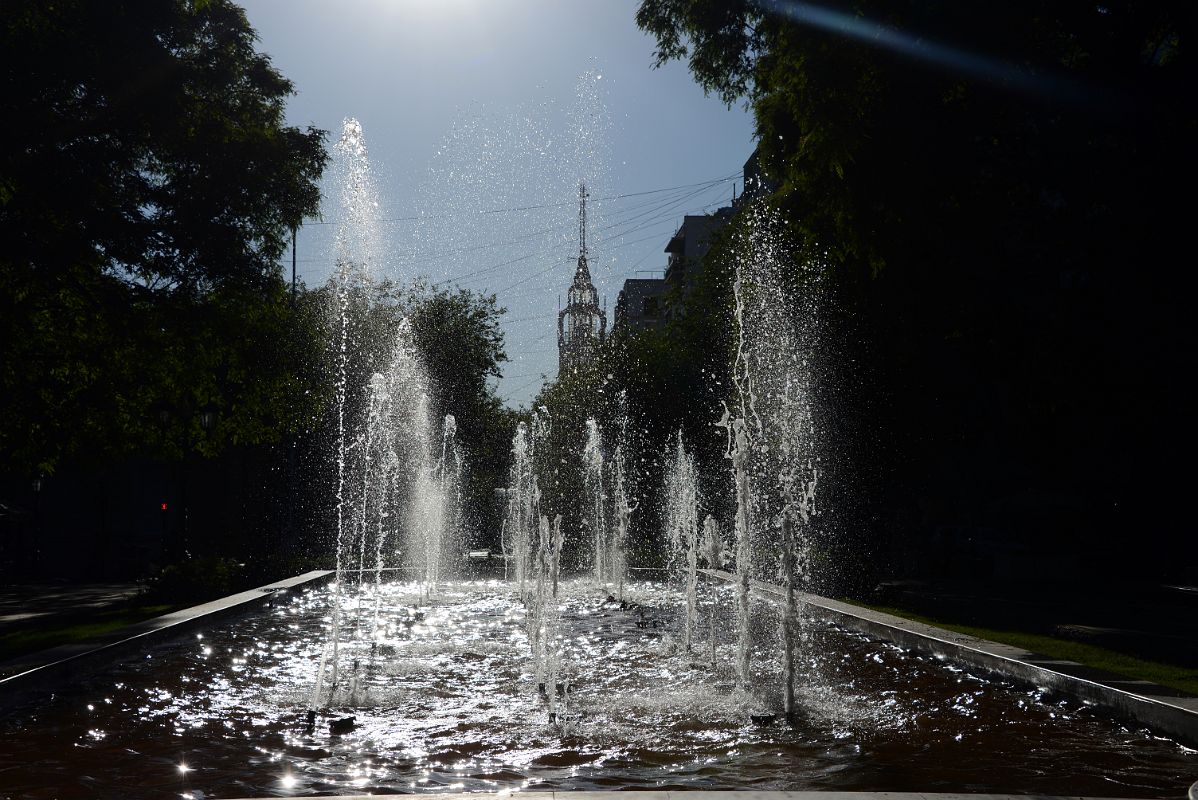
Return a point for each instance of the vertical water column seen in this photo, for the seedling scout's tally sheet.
(539, 430)
(354, 246)
(551, 620)
(798, 479)
(426, 508)
(519, 487)
(404, 480)
(372, 490)
(597, 499)
(623, 506)
(713, 554)
(682, 525)
(376, 416)
(387, 491)
(619, 555)
(737, 429)
(446, 490)
(535, 618)
(778, 291)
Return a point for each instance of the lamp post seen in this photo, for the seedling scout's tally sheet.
(36, 485)
(289, 517)
(207, 417)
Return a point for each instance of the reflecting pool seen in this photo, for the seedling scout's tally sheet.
(444, 697)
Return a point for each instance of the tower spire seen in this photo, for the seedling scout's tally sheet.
(582, 324)
(582, 219)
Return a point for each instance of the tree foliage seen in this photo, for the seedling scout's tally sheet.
(457, 334)
(991, 187)
(148, 187)
(642, 388)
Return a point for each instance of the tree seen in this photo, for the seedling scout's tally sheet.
(148, 187)
(650, 384)
(457, 332)
(457, 335)
(991, 188)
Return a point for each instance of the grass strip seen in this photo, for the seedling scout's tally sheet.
(77, 628)
(1184, 679)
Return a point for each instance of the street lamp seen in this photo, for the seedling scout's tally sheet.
(207, 419)
(36, 485)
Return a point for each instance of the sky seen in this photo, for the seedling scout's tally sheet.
(481, 117)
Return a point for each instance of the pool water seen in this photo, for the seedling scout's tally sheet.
(444, 699)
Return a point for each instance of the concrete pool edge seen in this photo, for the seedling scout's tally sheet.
(730, 794)
(45, 670)
(1158, 707)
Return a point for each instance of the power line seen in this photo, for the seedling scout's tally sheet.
(536, 207)
(539, 338)
(665, 207)
(528, 319)
(529, 278)
(521, 387)
(658, 216)
(646, 224)
(668, 203)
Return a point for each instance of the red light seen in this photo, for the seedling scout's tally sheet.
(163, 506)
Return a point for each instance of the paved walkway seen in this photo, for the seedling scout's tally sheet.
(25, 603)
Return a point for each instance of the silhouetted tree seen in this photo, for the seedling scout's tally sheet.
(993, 190)
(148, 187)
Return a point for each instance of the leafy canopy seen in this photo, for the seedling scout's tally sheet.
(148, 187)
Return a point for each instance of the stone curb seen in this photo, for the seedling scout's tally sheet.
(48, 669)
(1167, 710)
(734, 794)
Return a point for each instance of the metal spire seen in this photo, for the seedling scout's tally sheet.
(582, 220)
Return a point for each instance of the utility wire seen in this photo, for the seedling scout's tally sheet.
(724, 179)
(506, 395)
(646, 224)
(669, 202)
(663, 211)
(529, 319)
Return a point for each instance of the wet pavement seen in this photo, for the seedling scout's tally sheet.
(23, 604)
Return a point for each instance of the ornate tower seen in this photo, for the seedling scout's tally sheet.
(582, 324)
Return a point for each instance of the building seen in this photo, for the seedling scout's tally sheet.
(688, 246)
(582, 324)
(650, 302)
(756, 183)
(641, 304)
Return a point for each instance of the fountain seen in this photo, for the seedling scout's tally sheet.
(437, 495)
(520, 504)
(388, 469)
(539, 682)
(682, 526)
(353, 248)
(775, 485)
(618, 551)
(713, 554)
(596, 492)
